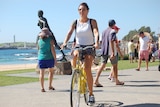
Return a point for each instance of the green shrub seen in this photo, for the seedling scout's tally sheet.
(126, 57)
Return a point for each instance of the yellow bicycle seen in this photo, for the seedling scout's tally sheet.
(79, 85)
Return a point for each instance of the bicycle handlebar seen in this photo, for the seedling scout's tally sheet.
(85, 48)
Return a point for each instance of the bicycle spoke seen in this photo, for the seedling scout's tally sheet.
(86, 94)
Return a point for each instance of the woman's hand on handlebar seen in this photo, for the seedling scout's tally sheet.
(96, 45)
(62, 46)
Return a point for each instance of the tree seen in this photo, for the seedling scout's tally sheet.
(132, 33)
(147, 29)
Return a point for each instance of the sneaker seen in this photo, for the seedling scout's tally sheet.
(109, 77)
(91, 100)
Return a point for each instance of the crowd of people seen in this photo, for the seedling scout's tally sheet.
(87, 34)
(133, 50)
(144, 49)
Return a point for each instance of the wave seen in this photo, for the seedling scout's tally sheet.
(22, 54)
(29, 58)
(58, 56)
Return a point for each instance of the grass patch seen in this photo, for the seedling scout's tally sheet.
(16, 71)
(6, 80)
(125, 64)
(12, 80)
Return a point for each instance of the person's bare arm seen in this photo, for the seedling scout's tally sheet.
(112, 48)
(68, 36)
(119, 50)
(96, 32)
(149, 47)
(53, 51)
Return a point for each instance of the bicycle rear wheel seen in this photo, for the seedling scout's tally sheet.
(74, 89)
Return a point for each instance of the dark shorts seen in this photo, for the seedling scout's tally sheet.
(106, 57)
(89, 51)
(46, 64)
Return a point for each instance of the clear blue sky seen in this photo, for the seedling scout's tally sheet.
(19, 17)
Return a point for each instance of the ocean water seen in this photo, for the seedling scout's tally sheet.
(23, 56)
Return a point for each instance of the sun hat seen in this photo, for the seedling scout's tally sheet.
(45, 32)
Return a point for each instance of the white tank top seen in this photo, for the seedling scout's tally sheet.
(84, 34)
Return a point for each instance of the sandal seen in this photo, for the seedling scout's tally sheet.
(51, 88)
(137, 69)
(98, 85)
(43, 90)
(120, 83)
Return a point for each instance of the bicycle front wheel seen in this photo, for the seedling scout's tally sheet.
(74, 89)
(86, 94)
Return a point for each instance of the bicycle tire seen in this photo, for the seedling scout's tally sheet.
(74, 91)
(86, 94)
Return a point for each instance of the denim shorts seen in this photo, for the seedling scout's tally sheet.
(46, 64)
(131, 54)
(89, 51)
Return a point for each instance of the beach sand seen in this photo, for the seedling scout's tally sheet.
(33, 66)
(17, 67)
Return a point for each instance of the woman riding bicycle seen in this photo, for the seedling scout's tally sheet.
(85, 37)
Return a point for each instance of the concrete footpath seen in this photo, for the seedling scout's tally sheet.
(141, 89)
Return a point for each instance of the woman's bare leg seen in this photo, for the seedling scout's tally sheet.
(50, 76)
(87, 67)
(41, 78)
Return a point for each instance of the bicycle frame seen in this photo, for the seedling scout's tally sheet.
(79, 84)
(82, 77)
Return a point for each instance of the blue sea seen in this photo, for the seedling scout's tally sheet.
(23, 56)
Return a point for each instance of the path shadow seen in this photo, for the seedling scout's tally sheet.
(144, 105)
(107, 104)
(98, 90)
(143, 81)
(106, 75)
(143, 85)
(68, 90)
(120, 104)
(58, 90)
